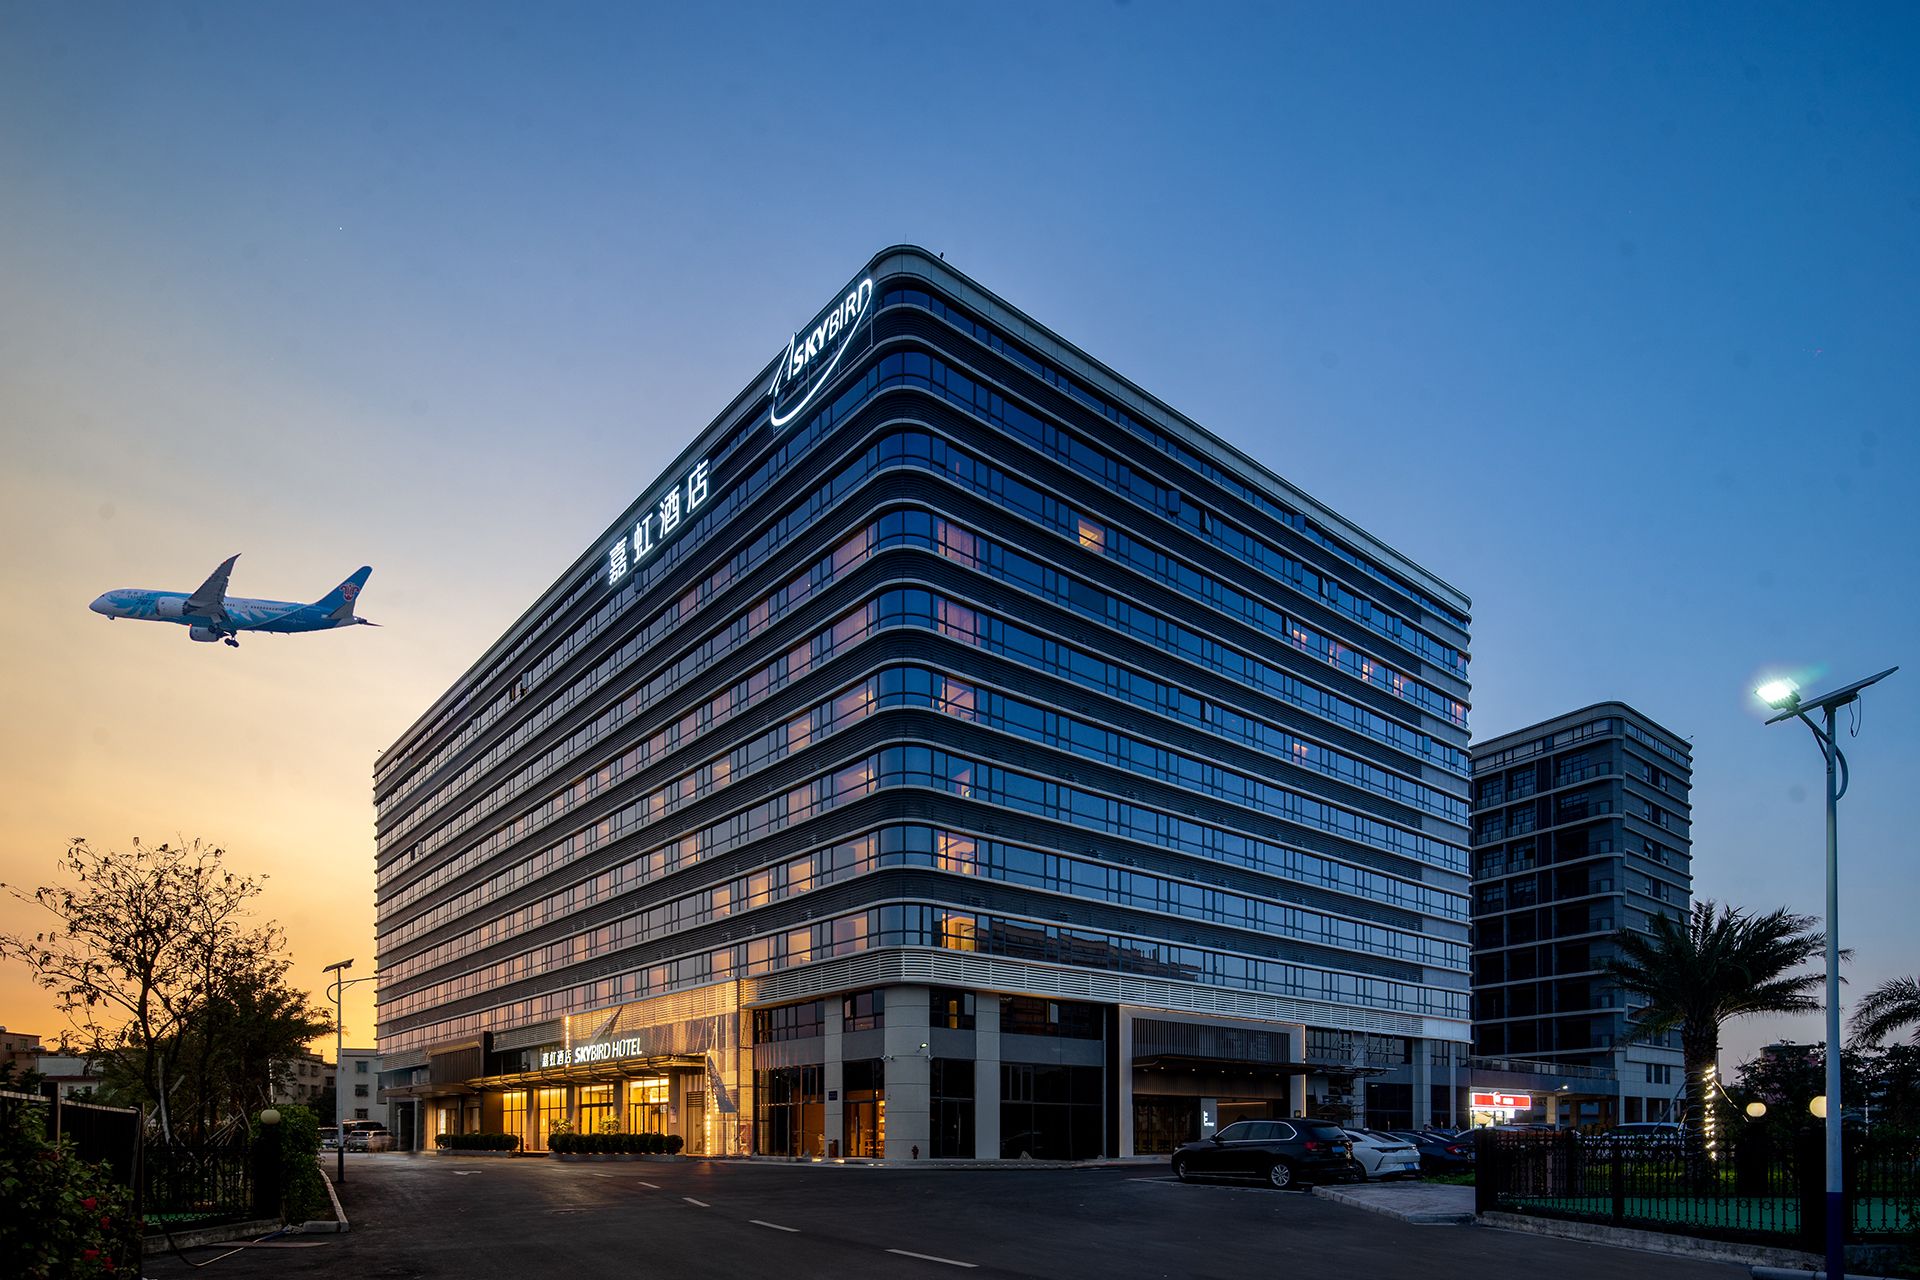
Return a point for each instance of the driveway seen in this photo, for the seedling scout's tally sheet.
(520, 1219)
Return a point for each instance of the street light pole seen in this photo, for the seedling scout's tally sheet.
(1785, 697)
(339, 1073)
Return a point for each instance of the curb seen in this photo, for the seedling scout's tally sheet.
(1378, 1204)
(1791, 1260)
(195, 1237)
(339, 1223)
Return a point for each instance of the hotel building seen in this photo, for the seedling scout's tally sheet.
(955, 753)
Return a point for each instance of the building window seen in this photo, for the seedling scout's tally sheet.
(549, 1116)
(1050, 1112)
(791, 1116)
(863, 1108)
(359, 1091)
(951, 1009)
(513, 1113)
(1031, 1016)
(950, 1100)
(360, 1067)
(599, 1109)
(863, 1011)
(789, 1022)
(647, 1106)
(359, 1113)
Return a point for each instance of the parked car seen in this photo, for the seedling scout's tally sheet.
(368, 1135)
(329, 1138)
(1286, 1153)
(1440, 1153)
(1383, 1155)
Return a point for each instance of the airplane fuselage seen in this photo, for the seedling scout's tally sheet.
(283, 616)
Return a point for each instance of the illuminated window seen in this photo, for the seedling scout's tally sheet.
(955, 853)
(647, 1106)
(513, 1113)
(1092, 536)
(599, 1109)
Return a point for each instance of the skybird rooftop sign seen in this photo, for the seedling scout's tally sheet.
(814, 353)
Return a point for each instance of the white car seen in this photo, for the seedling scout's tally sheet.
(1381, 1155)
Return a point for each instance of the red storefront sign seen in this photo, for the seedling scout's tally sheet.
(1502, 1101)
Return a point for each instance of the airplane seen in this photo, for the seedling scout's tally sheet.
(210, 615)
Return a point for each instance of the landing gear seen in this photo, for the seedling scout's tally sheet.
(231, 641)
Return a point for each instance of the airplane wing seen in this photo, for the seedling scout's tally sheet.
(210, 601)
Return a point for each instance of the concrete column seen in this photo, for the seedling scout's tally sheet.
(1123, 1083)
(831, 1078)
(909, 1122)
(986, 1076)
(1422, 1083)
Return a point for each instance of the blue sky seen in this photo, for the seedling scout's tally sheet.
(1606, 314)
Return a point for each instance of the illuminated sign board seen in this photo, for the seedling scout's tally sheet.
(598, 1051)
(662, 518)
(1501, 1101)
(814, 353)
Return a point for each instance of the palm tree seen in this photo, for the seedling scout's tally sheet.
(1893, 1004)
(1717, 964)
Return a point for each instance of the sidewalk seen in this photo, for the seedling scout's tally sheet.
(1417, 1202)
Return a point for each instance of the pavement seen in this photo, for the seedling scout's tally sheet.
(1422, 1203)
(423, 1217)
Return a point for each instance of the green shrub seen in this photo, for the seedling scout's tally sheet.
(674, 1143)
(63, 1218)
(295, 1142)
(561, 1144)
(476, 1141)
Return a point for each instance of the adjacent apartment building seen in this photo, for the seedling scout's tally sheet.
(1581, 828)
(302, 1079)
(955, 752)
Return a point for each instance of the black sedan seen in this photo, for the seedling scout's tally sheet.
(1285, 1153)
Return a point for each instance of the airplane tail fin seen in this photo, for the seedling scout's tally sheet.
(339, 602)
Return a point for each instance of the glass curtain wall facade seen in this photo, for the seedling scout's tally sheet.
(937, 714)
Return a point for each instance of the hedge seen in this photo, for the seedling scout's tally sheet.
(608, 1144)
(476, 1141)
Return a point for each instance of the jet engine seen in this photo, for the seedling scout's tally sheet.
(171, 607)
(205, 635)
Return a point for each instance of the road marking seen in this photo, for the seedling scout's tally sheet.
(927, 1257)
(464, 1173)
(702, 1203)
(776, 1226)
(603, 1175)
(648, 1185)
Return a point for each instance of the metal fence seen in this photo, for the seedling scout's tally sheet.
(173, 1185)
(95, 1132)
(197, 1185)
(1752, 1186)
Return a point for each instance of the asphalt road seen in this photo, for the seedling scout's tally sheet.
(522, 1219)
